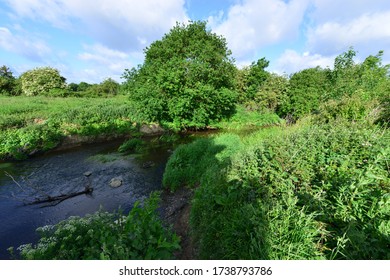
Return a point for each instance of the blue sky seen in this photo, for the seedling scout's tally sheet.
(91, 40)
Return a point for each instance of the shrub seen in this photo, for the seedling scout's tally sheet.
(40, 81)
(139, 235)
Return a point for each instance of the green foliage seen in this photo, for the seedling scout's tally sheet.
(270, 95)
(32, 124)
(187, 79)
(190, 162)
(351, 108)
(316, 192)
(248, 119)
(106, 236)
(307, 89)
(256, 77)
(134, 145)
(41, 81)
(9, 85)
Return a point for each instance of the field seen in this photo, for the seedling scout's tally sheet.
(33, 124)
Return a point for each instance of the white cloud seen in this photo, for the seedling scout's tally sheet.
(120, 24)
(22, 44)
(291, 61)
(372, 29)
(106, 63)
(253, 24)
(345, 10)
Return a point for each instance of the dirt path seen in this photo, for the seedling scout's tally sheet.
(176, 208)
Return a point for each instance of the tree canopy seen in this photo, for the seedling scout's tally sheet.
(187, 79)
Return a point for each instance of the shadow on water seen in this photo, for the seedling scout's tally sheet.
(63, 172)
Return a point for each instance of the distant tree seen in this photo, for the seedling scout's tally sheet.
(73, 87)
(83, 86)
(187, 79)
(42, 81)
(256, 77)
(307, 88)
(108, 87)
(272, 92)
(8, 83)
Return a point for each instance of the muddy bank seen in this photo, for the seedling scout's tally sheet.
(175, 212)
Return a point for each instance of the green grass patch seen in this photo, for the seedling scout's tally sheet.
(245, 119)
(30, 124)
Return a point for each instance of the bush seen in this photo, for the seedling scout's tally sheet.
(40, 81)
(103, 235)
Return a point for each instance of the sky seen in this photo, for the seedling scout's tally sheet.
(92, 40)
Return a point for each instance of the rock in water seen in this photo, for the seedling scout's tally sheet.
(87, 174)
(116, 182)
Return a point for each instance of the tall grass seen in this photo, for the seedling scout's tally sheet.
(29, 124)
(312, 192)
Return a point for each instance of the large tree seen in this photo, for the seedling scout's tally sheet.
(187, 79)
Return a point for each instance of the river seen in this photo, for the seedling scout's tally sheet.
(63, 172)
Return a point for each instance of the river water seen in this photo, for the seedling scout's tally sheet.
(57, 173)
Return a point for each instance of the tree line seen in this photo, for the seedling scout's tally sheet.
(48, 81)
(189, 80)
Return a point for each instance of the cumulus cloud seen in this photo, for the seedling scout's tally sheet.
(253, 24)
(22, 44)
(105, 60)
(344, 11)
(291, 61)
(366, 31)
(121, 24)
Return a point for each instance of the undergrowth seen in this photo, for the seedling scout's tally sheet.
(106, 236)
(307, 192)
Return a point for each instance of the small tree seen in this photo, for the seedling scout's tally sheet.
(256, 77)
(42, 81)
(8, 83)
(187, 79)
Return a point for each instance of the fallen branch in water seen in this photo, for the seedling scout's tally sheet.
(59, 198)
(13, 179)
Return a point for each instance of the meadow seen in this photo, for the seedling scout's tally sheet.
(35, 124)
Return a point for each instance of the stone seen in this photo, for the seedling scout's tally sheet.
(87, 173)
(116, 182)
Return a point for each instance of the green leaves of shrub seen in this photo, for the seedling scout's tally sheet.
(103, 235)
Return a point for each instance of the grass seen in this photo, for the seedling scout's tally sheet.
(303, 192)
(248, 120)
(31, 124)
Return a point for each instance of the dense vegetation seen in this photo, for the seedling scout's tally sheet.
(105, 236)
(304, 193)
(315, 185)
(316, 190)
